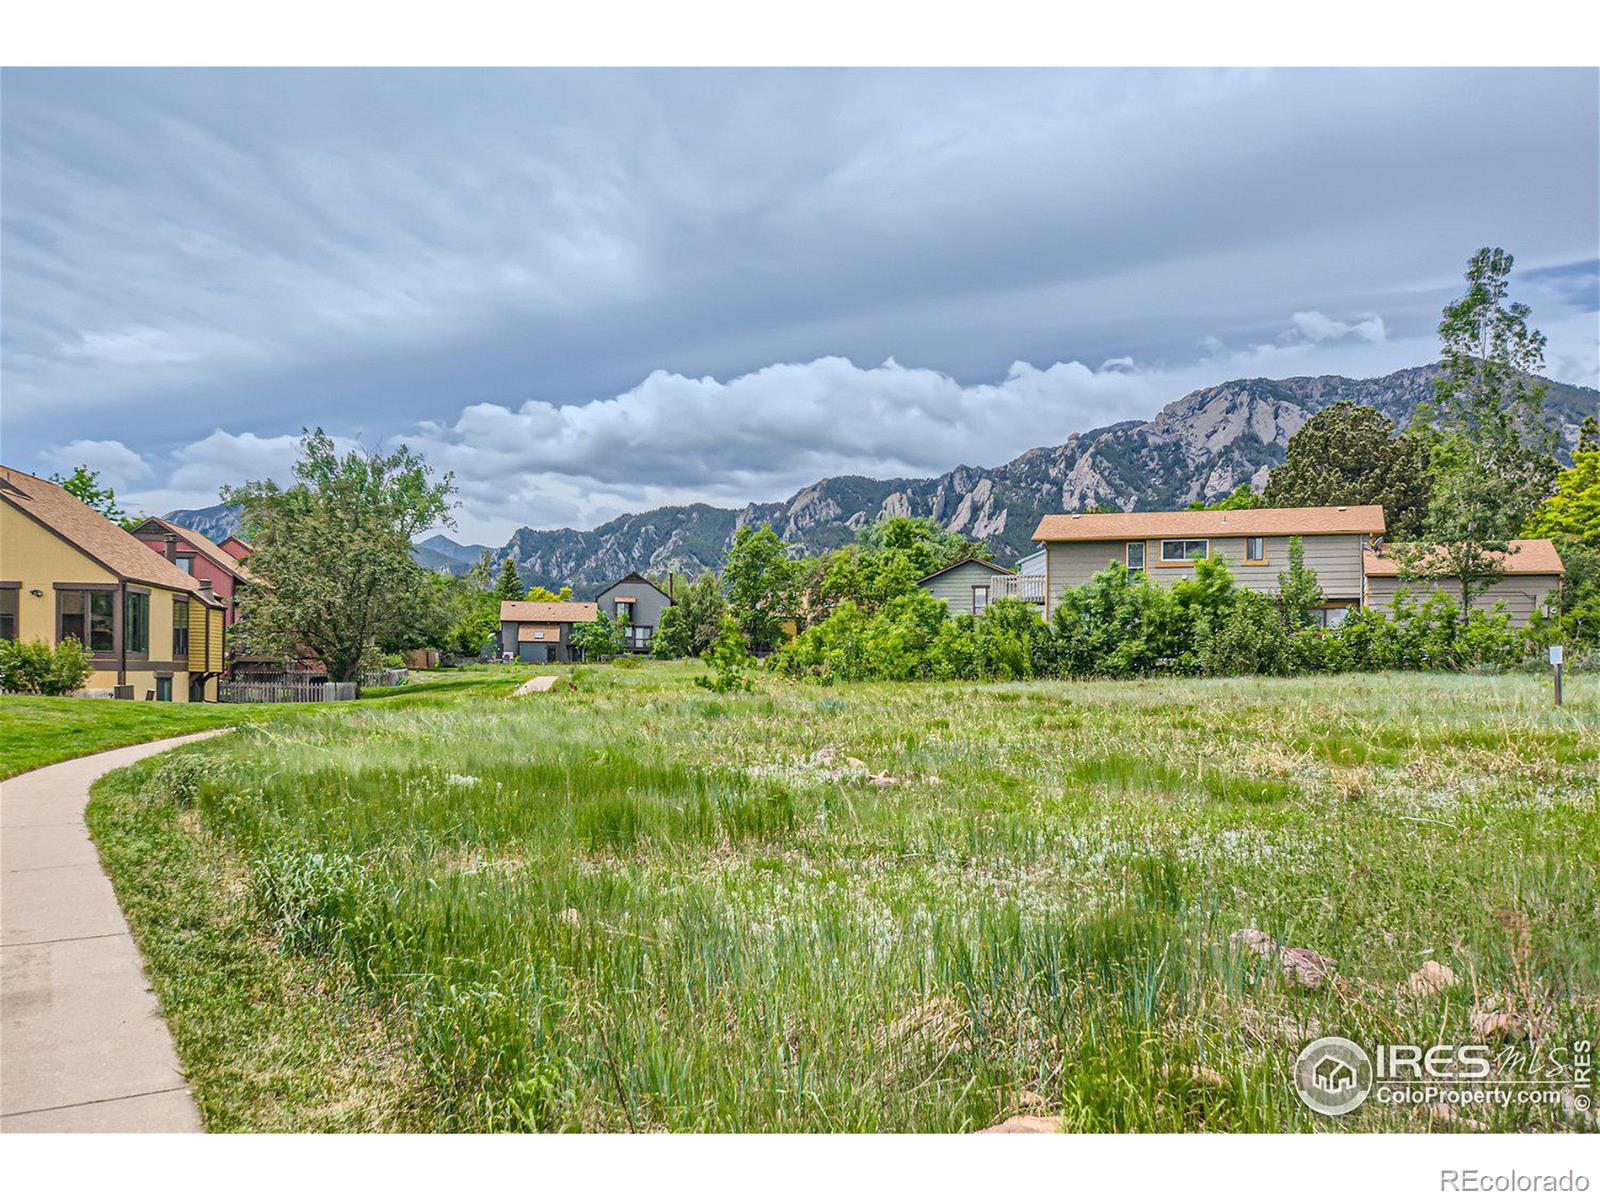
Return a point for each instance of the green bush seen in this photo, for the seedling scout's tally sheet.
(1251, 640)
(729, 661)
(35, 668)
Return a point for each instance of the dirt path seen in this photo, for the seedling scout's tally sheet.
(83, 1046)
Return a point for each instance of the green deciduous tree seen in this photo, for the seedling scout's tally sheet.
(84, 484)
(332, 566)
(600, 638)
(544, 594)
(1571, 518)
(1299, 593)
(690, 626)
(1350, 454)
(1243, 496)
(1493, 462)
(759, 578)
(728, 659)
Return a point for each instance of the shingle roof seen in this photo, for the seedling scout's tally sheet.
(104, 541)
(1529, 556)
(1237, 522)
(203, 544)
(548, 610)
(982, 562)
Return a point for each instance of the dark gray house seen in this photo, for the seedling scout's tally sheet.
(636, 604)
(540, 631)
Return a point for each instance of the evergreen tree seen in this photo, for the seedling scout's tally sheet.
(509, 586)
(1349, 454)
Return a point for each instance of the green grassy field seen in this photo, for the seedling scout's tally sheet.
(632, 904)
(36, 731)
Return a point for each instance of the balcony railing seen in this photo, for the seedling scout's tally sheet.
(1027, 588)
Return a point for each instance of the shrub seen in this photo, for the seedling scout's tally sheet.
(37, 669)
(600, 638)
(1250, 641)
(729, 661)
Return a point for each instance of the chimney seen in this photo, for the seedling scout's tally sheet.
(205, 589)
(170, 547)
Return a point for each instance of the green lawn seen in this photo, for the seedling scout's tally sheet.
(632, 904)
(36, 731)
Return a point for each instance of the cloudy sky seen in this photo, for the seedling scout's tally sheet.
(588, 292)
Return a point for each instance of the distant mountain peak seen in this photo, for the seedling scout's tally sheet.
(1199, 447)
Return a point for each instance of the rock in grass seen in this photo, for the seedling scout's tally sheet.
(1498, 1017)
(1255, 941)
(1304, 968)
(1026, 1123)
(539, 683)
(1430, 979)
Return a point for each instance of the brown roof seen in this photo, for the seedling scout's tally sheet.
(575, 611)
(1237, 522)
(203, 544)
(1529, 556)
(110, 545)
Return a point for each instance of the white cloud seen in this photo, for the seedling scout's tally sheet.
(118, 465)
(1319, 327)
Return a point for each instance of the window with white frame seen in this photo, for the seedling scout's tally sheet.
(1175, 550)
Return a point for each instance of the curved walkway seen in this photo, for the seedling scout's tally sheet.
(83, 1046)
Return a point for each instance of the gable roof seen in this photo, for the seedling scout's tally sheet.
(635, 577)
(979, 562)
(106, 542)
(201, 543)
(1237, 522)
(575, 611)
(1528, 556)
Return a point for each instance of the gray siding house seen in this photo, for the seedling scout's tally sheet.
(537, 631)
(967, 586)
(636, 604)
(1533, 569)
(1254, 543)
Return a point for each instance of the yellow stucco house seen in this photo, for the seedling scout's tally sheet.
(154, 633)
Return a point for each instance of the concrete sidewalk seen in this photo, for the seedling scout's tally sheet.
(83, 1046)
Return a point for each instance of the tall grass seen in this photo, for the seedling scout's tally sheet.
(630, 906)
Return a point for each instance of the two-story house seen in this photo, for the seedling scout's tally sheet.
(540, 631)
(152, 631)
(636, 604)
(1254, 542)
(1343, 544)
(197, 555)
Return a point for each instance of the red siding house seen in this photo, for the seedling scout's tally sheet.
(197, 555)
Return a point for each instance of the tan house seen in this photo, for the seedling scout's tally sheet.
(153, 632)
(1343, 544)
(1254, 542)
(1533, 570)
(540, 631)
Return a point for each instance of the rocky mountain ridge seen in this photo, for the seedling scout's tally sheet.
(1199, 447)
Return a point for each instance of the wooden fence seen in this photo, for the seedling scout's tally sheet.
(269, 692)
(389, 678)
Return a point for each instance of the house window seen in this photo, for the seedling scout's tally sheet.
(1177, 550)
(1135, 556)
(163, 687)
(8, 613)
(185, 563)
(89, 616)
(980, 597)
(136, 623)
(180, 629)
(1255, 550)
(1332, 616)
(624, 612)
